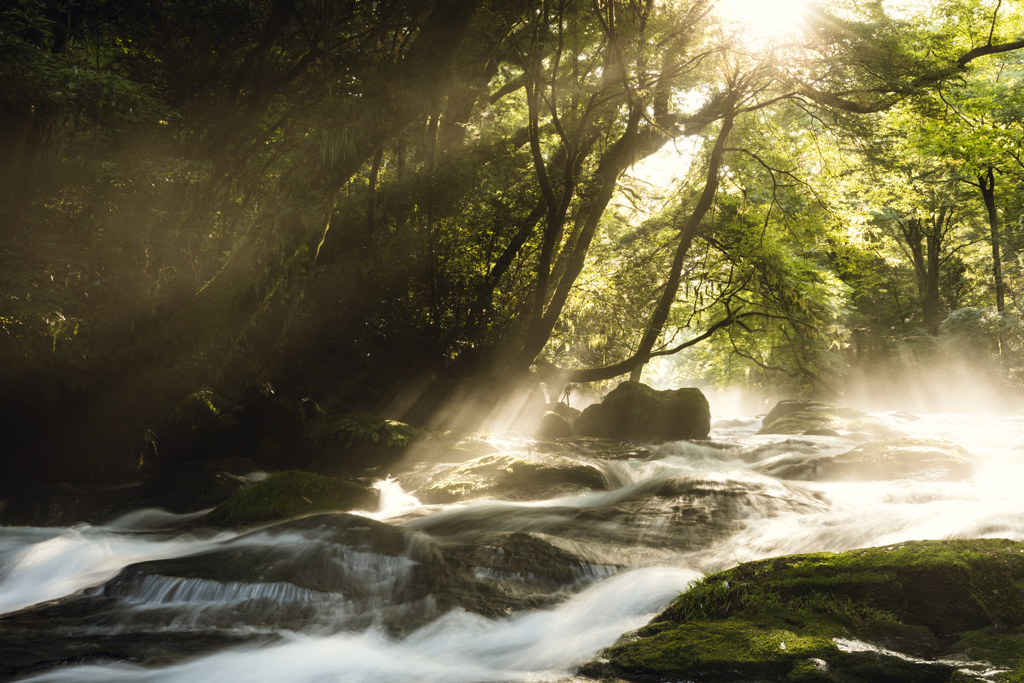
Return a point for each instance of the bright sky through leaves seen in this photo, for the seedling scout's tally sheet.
(764, 19)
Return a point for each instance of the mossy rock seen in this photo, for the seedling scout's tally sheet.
(347, 443)
(515, 476)
(636, 411)
(290, 494)
(916, 611)
(904, 457)
(554, 426)
(822, 419)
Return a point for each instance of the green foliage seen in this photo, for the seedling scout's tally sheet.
(54, 81)
(289, 494)
(352, 427)
(206, 195)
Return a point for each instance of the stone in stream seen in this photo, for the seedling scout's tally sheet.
(647, 521)
(636, 411)
(687, 512)
(900, 458)
(822, 419)
(554, 426)
(924, 611)
(290, 494)
(519, 475)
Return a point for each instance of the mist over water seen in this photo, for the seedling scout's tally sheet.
(328, 600)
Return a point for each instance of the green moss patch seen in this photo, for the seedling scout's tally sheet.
(289, 494)
(919, 611)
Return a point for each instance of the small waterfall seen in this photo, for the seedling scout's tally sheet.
(393, 499)
(169, 590)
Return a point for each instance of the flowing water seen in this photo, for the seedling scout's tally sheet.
(479, 591)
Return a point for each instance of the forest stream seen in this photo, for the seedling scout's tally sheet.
(487, 590)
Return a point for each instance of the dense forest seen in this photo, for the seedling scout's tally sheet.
(408, 207)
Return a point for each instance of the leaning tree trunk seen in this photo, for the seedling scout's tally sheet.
(689, 231)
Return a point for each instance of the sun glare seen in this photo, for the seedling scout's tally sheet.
(765, 19)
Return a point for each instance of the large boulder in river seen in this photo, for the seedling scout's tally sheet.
(823, 419)
(636, 411)
(553, 426)
(916, 611)
(900, 458)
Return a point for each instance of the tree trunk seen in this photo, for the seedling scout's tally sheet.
(371, 200)
(634, 364)
(689, 231)
(987, 183)
(24, 177)
(931, 286)
(924, 250)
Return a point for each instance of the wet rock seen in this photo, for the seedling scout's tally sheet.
(518, 475)
(290, 494)
(647, 521)
(918, 611)
(563, 409)
(324, 573)
(787, 406)
(536, 557)
(636, 411)
(689, 512)
(920, 459)
(797, 446)
(814, 418)
(553, 426)
(821, 432)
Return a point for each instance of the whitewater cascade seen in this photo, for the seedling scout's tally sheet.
(478, 591)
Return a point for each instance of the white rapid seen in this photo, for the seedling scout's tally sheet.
(38, 564)
(327, 602)
(459, 647)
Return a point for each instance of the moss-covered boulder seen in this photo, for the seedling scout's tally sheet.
(290, 494)
(636, 411)
(822, 419)
(553, 426)
(514, 476)
(347, 443)
(904, 457)
(916, 611)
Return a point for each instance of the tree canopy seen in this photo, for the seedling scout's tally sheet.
(389, 205)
